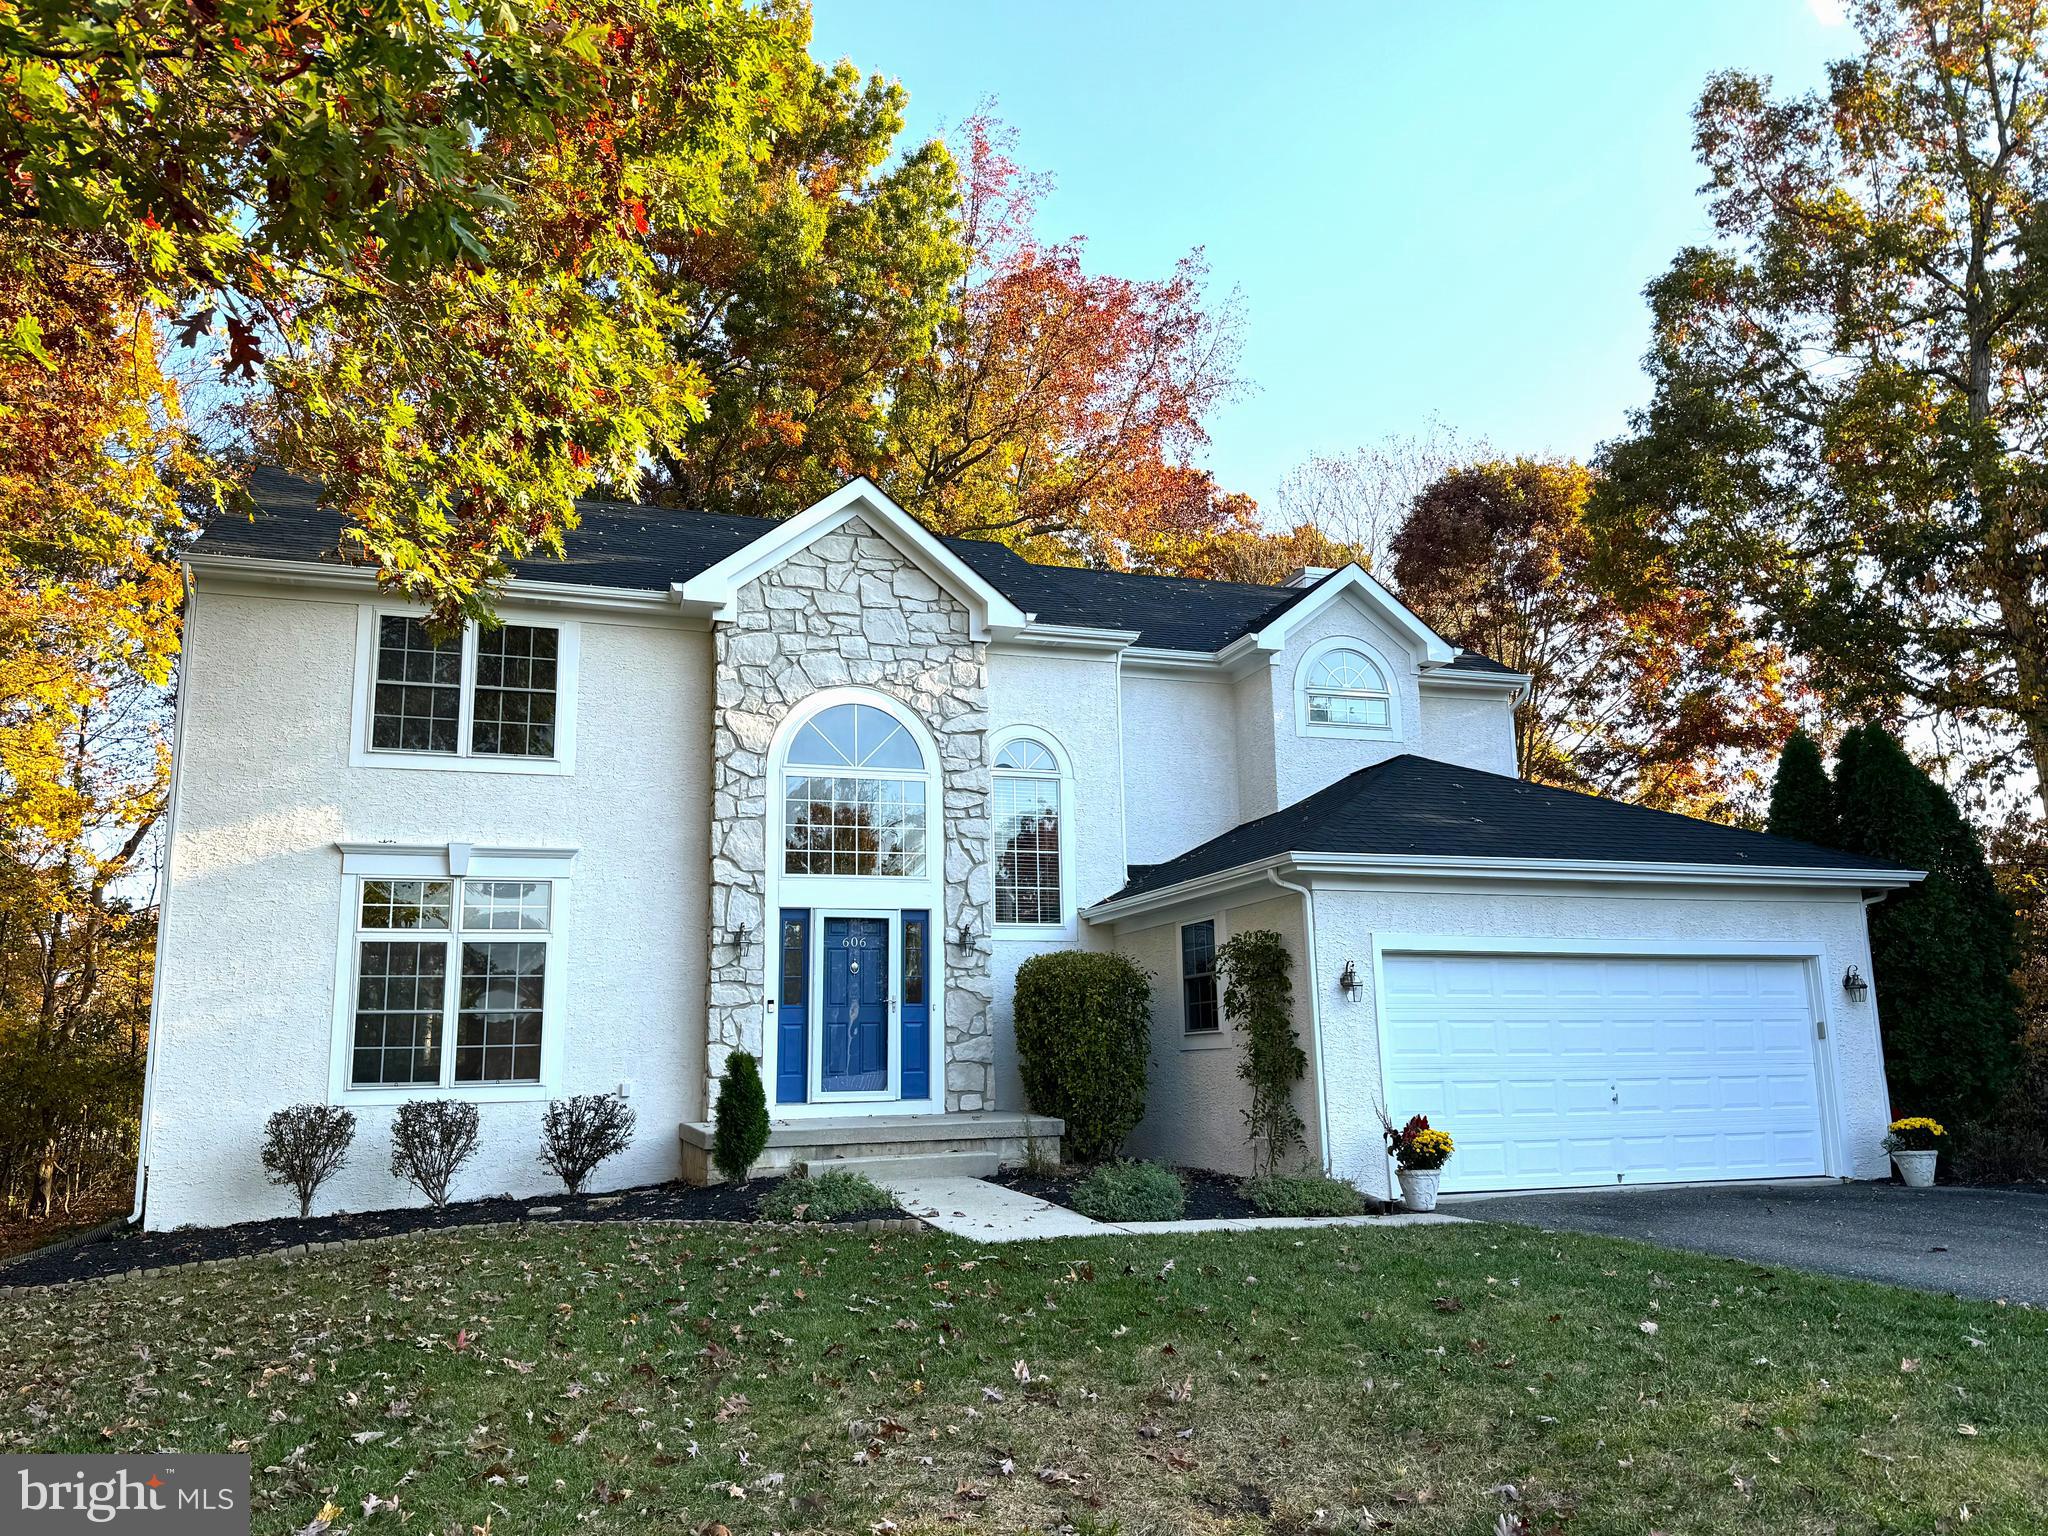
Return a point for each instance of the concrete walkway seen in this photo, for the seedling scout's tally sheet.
(989, 1213)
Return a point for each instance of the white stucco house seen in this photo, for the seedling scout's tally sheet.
(816, 788)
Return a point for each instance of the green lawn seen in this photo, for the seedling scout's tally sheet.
(650, 1379)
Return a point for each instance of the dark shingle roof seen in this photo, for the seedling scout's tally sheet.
(623, 545)
(1417, 806)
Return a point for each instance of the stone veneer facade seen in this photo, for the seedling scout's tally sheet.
(849, 610)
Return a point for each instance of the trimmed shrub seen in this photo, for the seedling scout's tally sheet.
(1258, 997)
(579, 1133)
(1304, 1194)
(1943, 951)
(828, 1197)
(1131, 1192)
(430, 1141)
(1084, 1036)
(739, 1131)
(304, 1145)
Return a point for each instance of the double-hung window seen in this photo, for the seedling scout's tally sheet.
(450, 982)
(1198, 978)
(498, 698)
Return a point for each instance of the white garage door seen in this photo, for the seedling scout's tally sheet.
(1552, 1071)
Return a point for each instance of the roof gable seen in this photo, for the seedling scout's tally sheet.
(1355, 581)
(717, 586)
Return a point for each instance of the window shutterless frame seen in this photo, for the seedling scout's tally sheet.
(1029, 763)
(363, 754)
(412, 986)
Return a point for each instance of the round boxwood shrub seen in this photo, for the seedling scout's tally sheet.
(1131, 1192)
(1084, 1025)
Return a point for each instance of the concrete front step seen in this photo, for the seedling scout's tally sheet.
(963, 1145)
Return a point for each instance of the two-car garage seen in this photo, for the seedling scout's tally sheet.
(1570, 1069)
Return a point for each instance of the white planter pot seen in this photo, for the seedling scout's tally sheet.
(1418, 1187)
(1916, 1168)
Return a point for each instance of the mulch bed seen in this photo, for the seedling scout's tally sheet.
(1211, 1196)
(121, 1251)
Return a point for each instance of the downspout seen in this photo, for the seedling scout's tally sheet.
(163, 904)
(1315, 1009)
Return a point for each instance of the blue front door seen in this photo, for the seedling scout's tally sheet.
(855, 1058)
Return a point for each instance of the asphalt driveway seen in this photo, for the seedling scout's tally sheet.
(1991, 1243)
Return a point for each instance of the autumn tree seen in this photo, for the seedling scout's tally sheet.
(1061, 410)
(1849, 411)
(828, 278)
(1661, 698)
(1358, 499)
(1238, 547)
(430, 225)
(97, 478)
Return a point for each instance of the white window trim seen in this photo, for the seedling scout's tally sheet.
(568, 648)
(1303, 726)
(1068, 925)
(454, 862)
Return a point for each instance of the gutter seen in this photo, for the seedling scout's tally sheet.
(163, 905)
(1315, 1011)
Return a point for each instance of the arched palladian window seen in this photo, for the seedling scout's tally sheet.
(1028, 826)
(1345, 687)
(854, 796)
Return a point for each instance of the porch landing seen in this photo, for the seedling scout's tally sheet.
(965, 1145)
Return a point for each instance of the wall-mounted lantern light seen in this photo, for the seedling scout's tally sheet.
(736, 936)
(1854, 984)
(1349, 982)
(964, 938)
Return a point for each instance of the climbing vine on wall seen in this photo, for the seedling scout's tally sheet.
(1258, 997)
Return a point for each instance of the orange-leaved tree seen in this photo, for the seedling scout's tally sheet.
(1658, 696)
(1061, 410)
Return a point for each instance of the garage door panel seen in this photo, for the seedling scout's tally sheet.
(1561, 1070)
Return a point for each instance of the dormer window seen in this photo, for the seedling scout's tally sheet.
(1346, 688)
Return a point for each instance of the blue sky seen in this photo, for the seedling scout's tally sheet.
(1432, 210)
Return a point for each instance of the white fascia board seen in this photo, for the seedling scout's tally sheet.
(718, 586)
(1068, 639)
(224, 572)
(1348, 868)
(1516, 684)
(1436, 650)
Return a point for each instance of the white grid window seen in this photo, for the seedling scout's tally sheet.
(495, 696)
(514, 711)
(418, 703)
(1027, 806)
(407, 990)
(1345, 688)
(868, 818)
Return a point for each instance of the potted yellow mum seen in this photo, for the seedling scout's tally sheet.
(1915, 1145)
(1419, 1151)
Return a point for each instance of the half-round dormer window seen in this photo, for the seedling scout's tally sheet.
(1345, 687)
